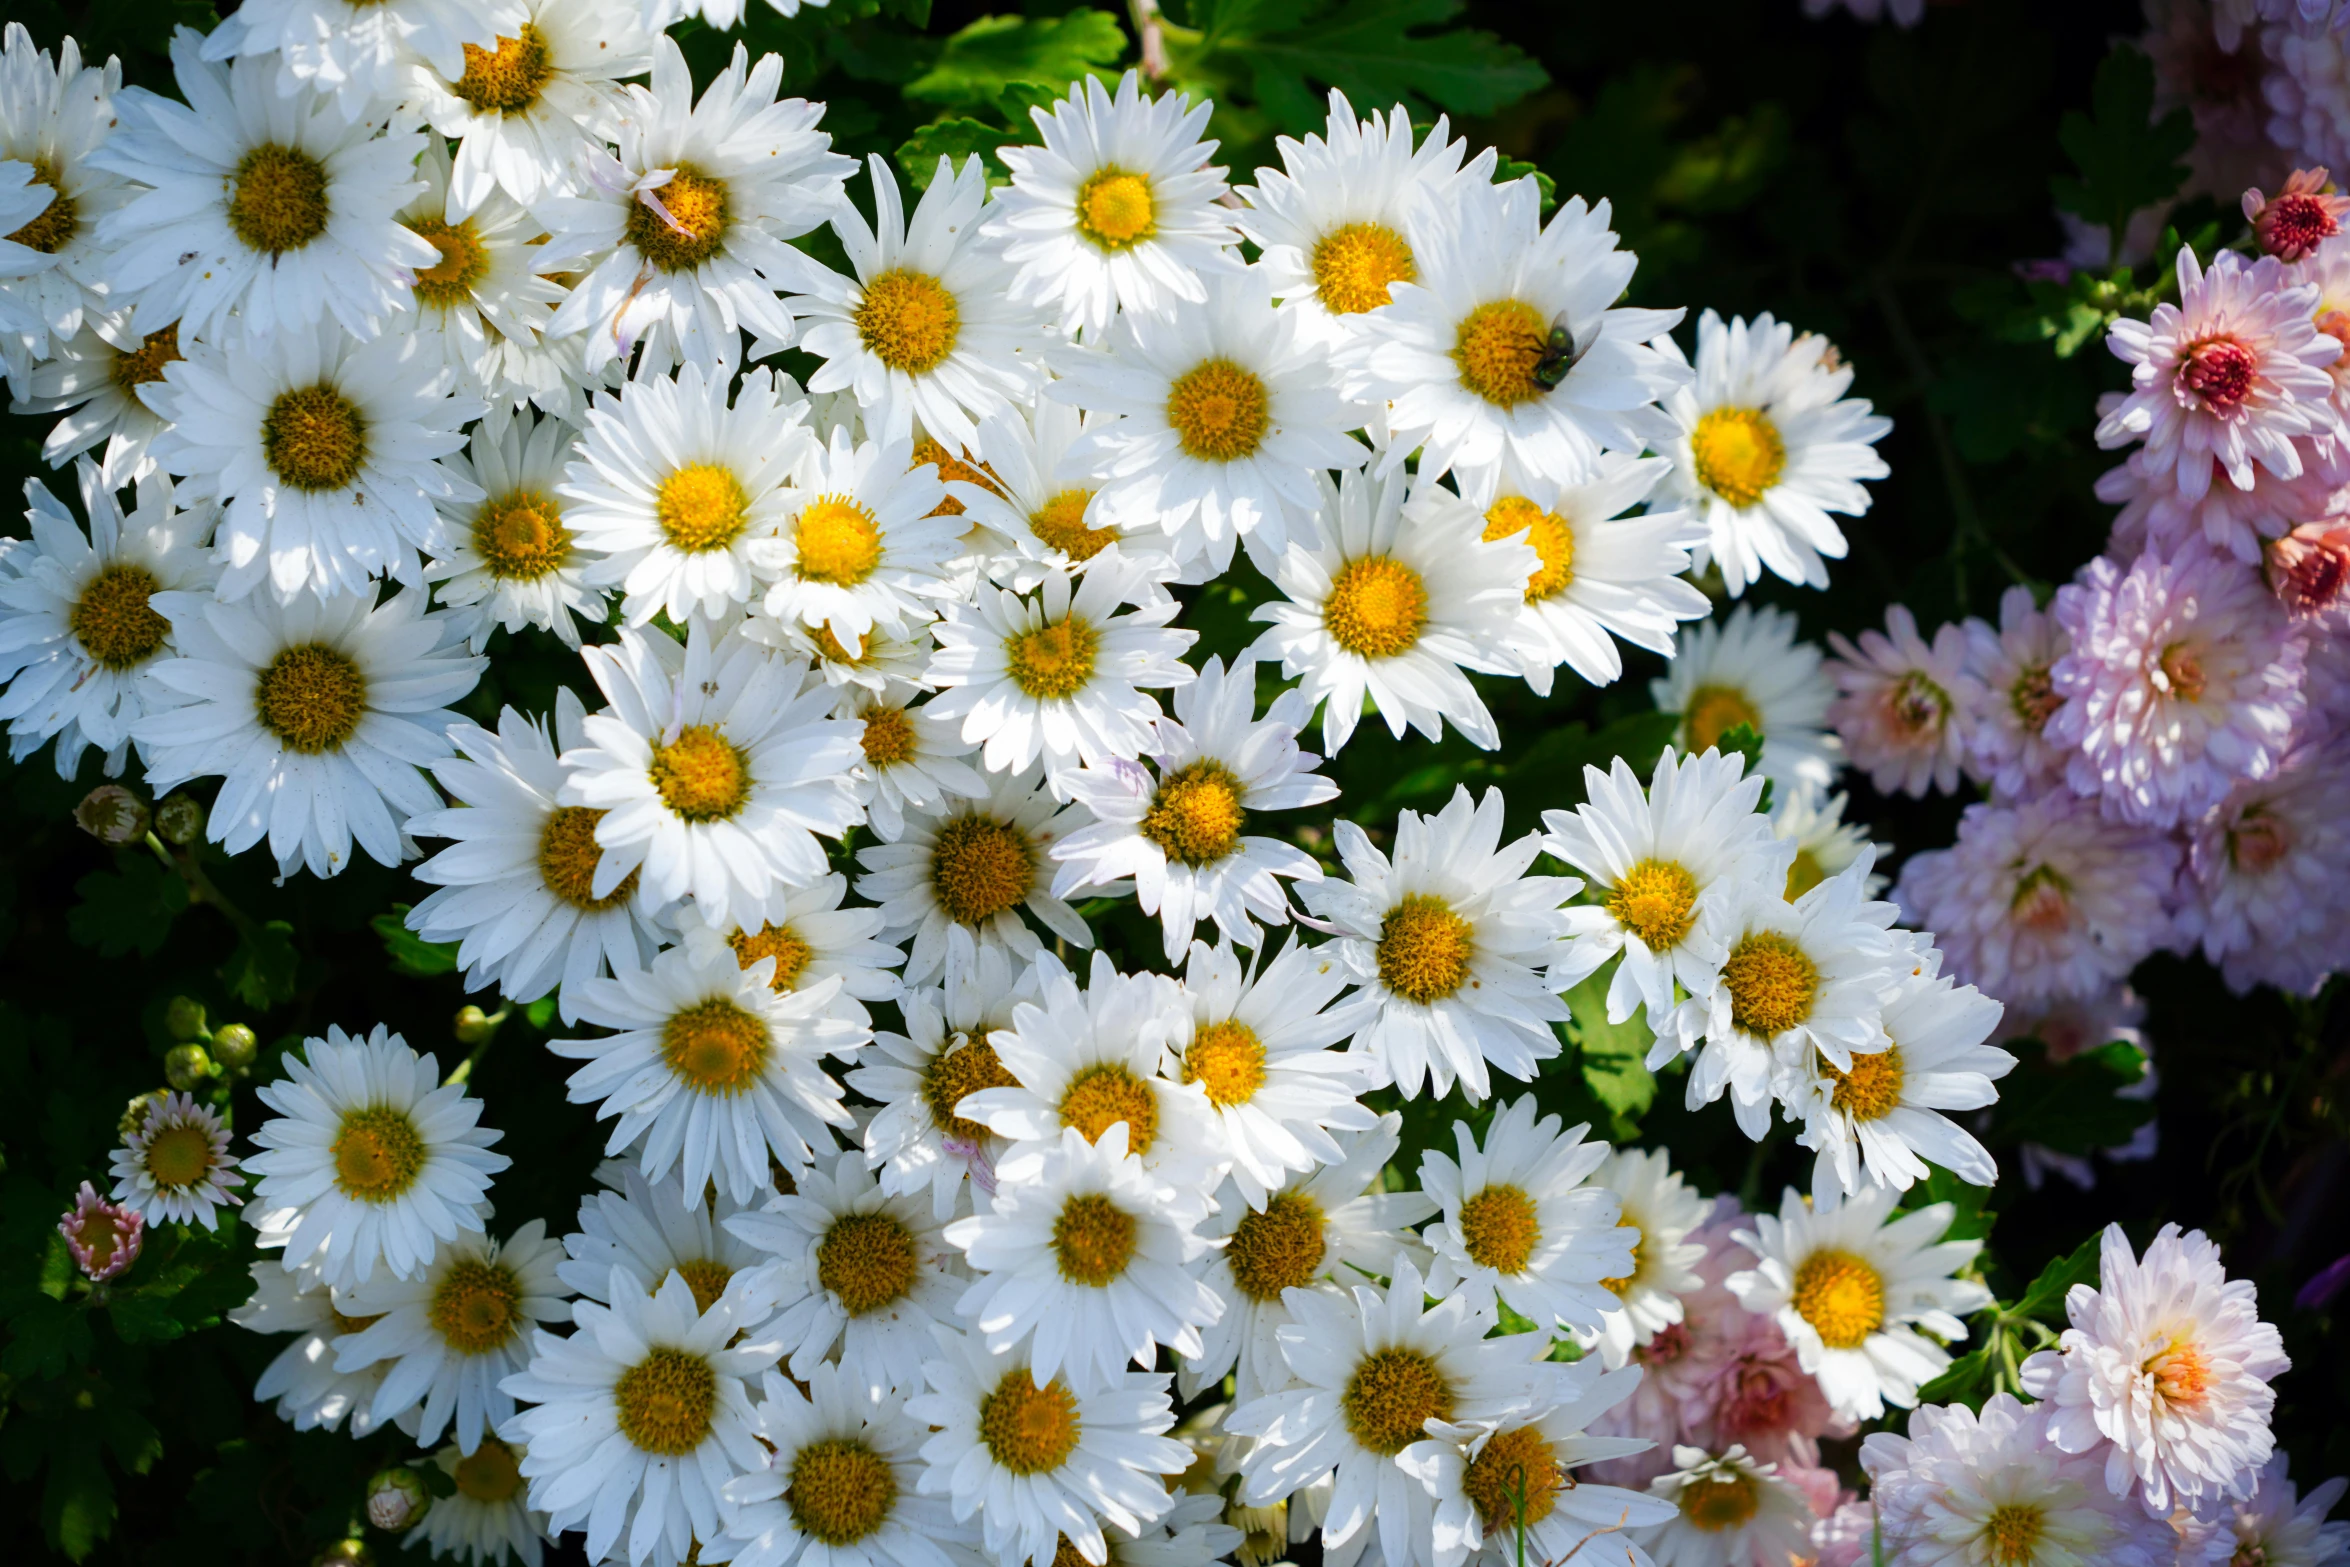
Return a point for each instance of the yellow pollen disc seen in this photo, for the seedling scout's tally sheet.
(314, 438)
(888, 737)
(1053, 663)
(701, 507)
(1841, 1296)
(1657, 901)
(568, 853)
(1228, 1061)
(112, 619)
(1066, 1554)
(929, 450)
(2012, 1534)
(706, 1278)
(1100, 1096)
(1025, 1428)
(345, 1324)
(143, 365)
(1059, 524)
(509, 78)
(980, 868)
(1738, 454)
(54, 226)
(1377, 607)
(1115, 209)
(908, 321)
(1713, 712)
(377, 1154)
(1357, 265)
(1497, 349)
(837, 541)
(179, 1157)
(2182, 1374)
(278, 199)
(464, 262)
(1196, 816)
(1218, 411)
(953, 1076)
(1804, 872)
(1424, 949)
(489, 1473)
(786, 946)
(311, 697)
(1872, 1089)
(1392, 1396)
(1093, 1238)
(1279, 1248)
(1499, 1229)
(1621, 1287)
(520, 535)
(716, 1047)
(1516, 1479)
(1551, 536)
(840, 1490)
(694, 230)
(702, 776)
(1772, 984)
(2033, 699)
(1718, 1502)
(476, 1307)
(868, 1260)
(664, 1402)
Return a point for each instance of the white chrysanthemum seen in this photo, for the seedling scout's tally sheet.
(272, 207)
(1213, 425)
(94, 380)
(912, 761)
(370, 1159)
(451, 1334)
(682, 236)
(484, 1518)
(516, 890)
(2165, 1369)
(712, 1068)
(1751, 670)
(924, 333)
(1729, 1511)
(642, 1231)
(318, 717)
(311, 1394)
(1765, 446)
(2008, 746)
(1044, 521)
(2287, 1529)
(1457, 360)
(887, 666)
(1461, 953)
(1905, 706)
(859, 542)
(355, 49)
(717, 767)
(1037, 1461)
(1118, 210)
(175, 1167)
(322, 451)
(1857, 1290)
(510, 559)
(1670, 866)
(858, 1270)
(672, 486)
(487, 300)
(1519, 1218)
(53, 116)
(80, 634)
(1656, 1201)
(810, 937)
(1824, 842)
(1398, 599)
(639, 1418)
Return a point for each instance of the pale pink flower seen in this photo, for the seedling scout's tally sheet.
(2279, 1527)
(1846, 1537)
(2006, 741)
(2267, 888)
(2299, 218)
(1764, 1398)
(104, 1237)
(2219, 84)
(2156, 514)
(1903, 704)
(1682, 1364)
(2308, 93)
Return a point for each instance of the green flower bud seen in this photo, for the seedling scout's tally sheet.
(473, 1025)
(397, 1499)
(184, 1018)
(179, 819)
(184, 1066)
(234, 1046)
(134, 1114)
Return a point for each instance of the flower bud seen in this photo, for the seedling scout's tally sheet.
(134, 1114)
(184, 1018)
(184, 1066)
(112, 814)
(397, 1499)
(234, 1046)
(473, 1025)
(179, 819)
(104, 1238)
(345, 1553)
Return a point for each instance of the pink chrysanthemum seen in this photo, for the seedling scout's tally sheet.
(103, 1237)
(2297, 219)
(2283, 1527)
(1684, 1363)
(2233, 372)
(2267, 888)
(1763, 1397)
(2007, 745)
(2164, 1373)
(2155, 514)
(2043, 900)
(1903, 704)
(2180, 676)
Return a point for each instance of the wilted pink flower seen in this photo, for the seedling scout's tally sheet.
(1903, 704)
(2267, 889)
(2006, 741)
(104, 1238)
(2298, 218)
(2309, 571)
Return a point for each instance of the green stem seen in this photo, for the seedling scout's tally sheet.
(491, 1023)
(200, 887)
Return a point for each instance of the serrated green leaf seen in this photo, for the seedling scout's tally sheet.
(2074, 1108)
(128, 909)
(410, 953)
(45, 1338)
(260, 973)
(2127, 158)
(2044, 1300)
(995, 52)
(955, 139)
(77, 1504)
(1610, 1056)
(1507, 168)
(1968, 1380)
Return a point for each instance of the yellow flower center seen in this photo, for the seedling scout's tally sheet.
(1804, 872)
(716, 1047)
(464, 262)
(840, 1490)
(378, 1154)
(54, 226)
(1621, 1287)
(2182, 1374)
(1196, 816)
(112, 619)
(908, 321)
(1738, 454)
(1357, 265)
(980, 868)
(278, 199)
(1115, 209)
(1025, 1428)
(1218, 411)
(311, 697)
(1227, 1060)
(1550, 535)
(953, 1076)
(706, 1278)
(1717, 1502)
(143, 365)
(701, 507)
(314, 438)
(2012, 1534)
(2182, 671)
(1841, 1296)
(868, 1260)
(1101, 1095)
(1093, 1238)
(786, 946)
(1392, 1396)
(1498, 347)
(1053, 662)
(929, 450)
(477, 1307)
(489, 1473)
(694, 229)
(1377, 607)
(837, 541)
(1499, 1229)
(508, 78)
(1515, 1480)
(1772, 984)
(1278, 1248)
(1872, 1089)
(520, 535)
(701, 774)
(888, 737)
(1713, 712)
(1424, 949)
(179, 1157)
(664, 1402)
(568, 853)
(1657, 901)
(1059, 524)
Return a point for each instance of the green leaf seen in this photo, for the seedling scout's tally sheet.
(1970, 1220)
(260, 973)
(2074, 1108)
(128, 909)
(1744, 740)
(994, 52)
(410, 953)
(1611, 1056)
(1548, 775)
(44, 1339)
(1969, 1380)
(1507, 168)
(2127, 159)
(2044, 1301)
(1375, 52)
(957, 139)
(78, 1503)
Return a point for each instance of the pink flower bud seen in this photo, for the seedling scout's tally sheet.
(104, 1238)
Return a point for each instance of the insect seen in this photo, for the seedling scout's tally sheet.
(1559, 357)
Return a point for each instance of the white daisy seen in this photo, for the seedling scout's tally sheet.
(53, 117)
(1751, 670)
(355, 49)
(1118, 210)
(682, 236)
(511, 560)
(1191, 1534)
(94, 380)
(1046, 522)
(714, 1069)
(484, 1516)
(1729, 1511)
(175, 1167)
(810, 937)
(311, 1394)
(371, 1159)
(1764, 446)
(1462, 952)
(319, 718)
(322, 451)
(645, 1230)
(1858, 1290)
(2287, 1529)
(1656, 1201)
(1824, 842)
(912, 761)
(858, 542)
(80, 633)
(271, 206)
(887, 666)
(486, 300)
